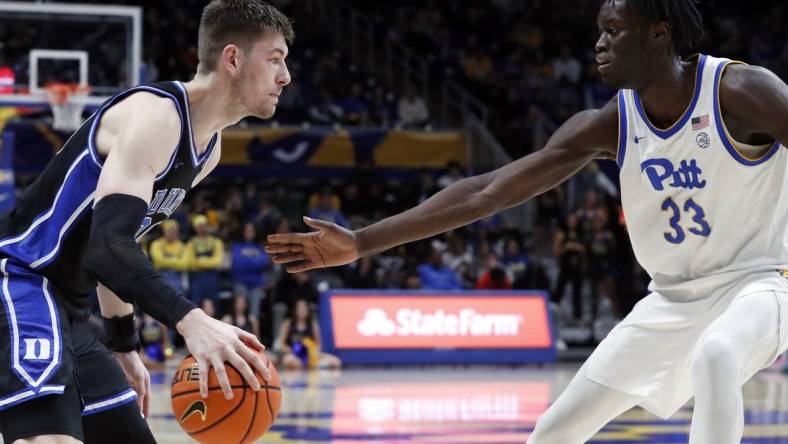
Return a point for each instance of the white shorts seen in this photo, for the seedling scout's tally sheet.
(650, 352)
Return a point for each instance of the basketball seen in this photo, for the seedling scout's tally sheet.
(214, 419)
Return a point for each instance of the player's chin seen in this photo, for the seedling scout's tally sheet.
(266, 112)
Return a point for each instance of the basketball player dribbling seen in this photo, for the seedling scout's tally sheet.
(700, 142)
(124, 171)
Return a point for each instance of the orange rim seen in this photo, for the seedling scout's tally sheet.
(58, 93)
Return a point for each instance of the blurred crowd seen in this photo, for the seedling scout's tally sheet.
(532, 62)
(328, 87)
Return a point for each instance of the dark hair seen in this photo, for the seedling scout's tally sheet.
(240, 22)
(683, 17)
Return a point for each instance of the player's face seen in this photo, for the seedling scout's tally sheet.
(621, 47)
(263, 76)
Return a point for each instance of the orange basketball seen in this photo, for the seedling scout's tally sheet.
(214, 419)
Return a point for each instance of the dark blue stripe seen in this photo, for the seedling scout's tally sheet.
(77, 186)
(664, 134)
(721, 128)
(622, 129)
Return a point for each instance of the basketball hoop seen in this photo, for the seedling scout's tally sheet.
(67, 102)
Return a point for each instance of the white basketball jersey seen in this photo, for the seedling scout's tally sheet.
(701, 211)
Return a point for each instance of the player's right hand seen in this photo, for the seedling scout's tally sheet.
(213, 342)
(329, 246)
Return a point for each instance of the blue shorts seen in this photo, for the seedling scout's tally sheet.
(46, 352)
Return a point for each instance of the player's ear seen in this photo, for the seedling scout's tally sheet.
(231, 58)
(660, 34)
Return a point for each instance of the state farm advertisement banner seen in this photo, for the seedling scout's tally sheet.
(434, 321)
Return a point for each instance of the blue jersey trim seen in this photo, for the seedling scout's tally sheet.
(94, 126)
(622, 129)
(720, 125)
(40, 243)
(124, 397)
(196, 160)
(664, 134)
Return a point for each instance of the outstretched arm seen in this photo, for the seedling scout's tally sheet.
(587, 135)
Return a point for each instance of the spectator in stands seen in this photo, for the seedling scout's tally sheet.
(289, 288)
(412, 109)
(570, 251)
(514, 260)
(566, 68)
(241, 317)
(412, 280)
(248, 265)
(478, 66)
(384, 107)
(267, 217)
(168, 255)
(299, 341)
(592, 209)
(154, 342)
(458, 257)
(364, 273)
(207, 305)
(326, 209)
(601, 251)
(454, 173)
(354, 206)
(355, 111)
(435, 275)
(286, 202)
(494, 279)
(204, 253)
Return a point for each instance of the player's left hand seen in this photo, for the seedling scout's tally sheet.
(138, 377)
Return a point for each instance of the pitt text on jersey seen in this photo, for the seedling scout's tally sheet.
(687, 175)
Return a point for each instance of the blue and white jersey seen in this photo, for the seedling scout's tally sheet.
(702, 209)
(49, 227)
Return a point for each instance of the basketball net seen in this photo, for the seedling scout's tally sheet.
(66, 100)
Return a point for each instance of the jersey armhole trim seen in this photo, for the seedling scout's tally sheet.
(622, 130)
(93, 150)
(727, 140)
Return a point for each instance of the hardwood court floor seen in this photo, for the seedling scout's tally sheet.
(461, 405)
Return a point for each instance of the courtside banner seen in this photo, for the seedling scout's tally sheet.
(399, 326)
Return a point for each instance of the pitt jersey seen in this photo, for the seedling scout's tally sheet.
(700, 207)
(48, 229)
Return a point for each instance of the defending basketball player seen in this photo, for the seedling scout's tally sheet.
(124, 171)
(700, 142)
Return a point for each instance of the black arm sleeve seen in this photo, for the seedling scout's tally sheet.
(116, 261)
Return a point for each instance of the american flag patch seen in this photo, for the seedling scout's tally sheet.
(698, 123)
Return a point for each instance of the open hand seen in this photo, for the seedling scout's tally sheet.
(329, 246)
(138, 377)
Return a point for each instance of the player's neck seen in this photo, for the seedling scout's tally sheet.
(208, 108)
(668, 94)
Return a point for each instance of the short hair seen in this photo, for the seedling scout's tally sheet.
(240, 22)
(683, 17)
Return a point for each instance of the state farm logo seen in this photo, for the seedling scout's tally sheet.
(411, 322)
